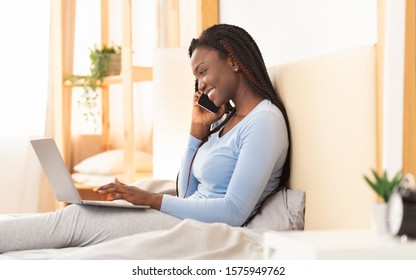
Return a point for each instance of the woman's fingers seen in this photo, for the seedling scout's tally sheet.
(110, 188)
(119, 190)
(197, 95)
(117, 181)
(113, 191)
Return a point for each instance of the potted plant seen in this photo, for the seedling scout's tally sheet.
(383, 187)
(105, 61)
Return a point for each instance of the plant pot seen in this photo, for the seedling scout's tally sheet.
(114, 65)
(379, 218)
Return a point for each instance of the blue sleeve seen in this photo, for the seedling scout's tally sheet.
(193, 144)
(260, 144)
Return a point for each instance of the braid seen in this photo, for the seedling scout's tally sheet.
(233, 42)
(247, 73)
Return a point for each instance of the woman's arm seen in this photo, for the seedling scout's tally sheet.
(262, 144)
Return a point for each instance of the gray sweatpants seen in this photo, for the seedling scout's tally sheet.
(76, 226)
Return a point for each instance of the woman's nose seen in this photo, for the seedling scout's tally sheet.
(201, 85)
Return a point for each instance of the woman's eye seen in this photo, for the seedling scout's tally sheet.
(202, 72)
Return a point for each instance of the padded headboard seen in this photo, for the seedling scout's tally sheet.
(331, 107)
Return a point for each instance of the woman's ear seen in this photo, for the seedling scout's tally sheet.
(233, 65)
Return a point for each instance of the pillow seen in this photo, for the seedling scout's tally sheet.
(283, 211)
(111, 162)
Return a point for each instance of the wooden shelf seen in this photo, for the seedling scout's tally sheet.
(139, 74)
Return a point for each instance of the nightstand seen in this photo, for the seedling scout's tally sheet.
(336, 244)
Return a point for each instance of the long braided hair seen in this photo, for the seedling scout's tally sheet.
(236, 43)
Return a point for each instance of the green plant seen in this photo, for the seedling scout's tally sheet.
(99, 58)
(382, 185)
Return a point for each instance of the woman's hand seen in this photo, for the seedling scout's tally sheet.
(202, 119)
(118, 190)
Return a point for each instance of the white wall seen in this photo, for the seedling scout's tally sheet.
(292, 30)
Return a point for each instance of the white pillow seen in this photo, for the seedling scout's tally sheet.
(111, 162)
(284, 211)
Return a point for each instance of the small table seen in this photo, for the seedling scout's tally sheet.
(336, 244)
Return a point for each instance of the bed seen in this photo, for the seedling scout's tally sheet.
(220, 241)
(289, 209)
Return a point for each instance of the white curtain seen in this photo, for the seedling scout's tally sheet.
(24, 35)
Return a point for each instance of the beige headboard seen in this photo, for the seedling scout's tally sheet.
(331, 106)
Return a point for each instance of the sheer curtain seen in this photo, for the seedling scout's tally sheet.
(24, 35)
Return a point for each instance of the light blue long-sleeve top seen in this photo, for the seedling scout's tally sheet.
(232, 173)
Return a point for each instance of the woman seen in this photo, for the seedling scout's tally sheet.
(226, 173)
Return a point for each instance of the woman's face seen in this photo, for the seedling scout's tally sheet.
(215, 76)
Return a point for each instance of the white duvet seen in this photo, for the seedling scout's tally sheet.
(190, 239)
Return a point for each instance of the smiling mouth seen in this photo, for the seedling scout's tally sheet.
(209, 93)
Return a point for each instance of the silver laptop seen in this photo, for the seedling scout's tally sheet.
(58, 176)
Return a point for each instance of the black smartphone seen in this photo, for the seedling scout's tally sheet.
(207, 104)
